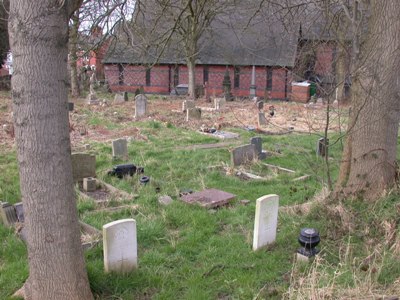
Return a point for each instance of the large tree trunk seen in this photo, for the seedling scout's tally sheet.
(39, 36)
(73, 57)
(369, 161)
(192, 78)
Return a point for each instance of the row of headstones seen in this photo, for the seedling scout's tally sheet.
(120, 237)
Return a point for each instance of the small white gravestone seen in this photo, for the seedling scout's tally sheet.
(266, 221)
(120, 246)
(120, 148)
(140, 105)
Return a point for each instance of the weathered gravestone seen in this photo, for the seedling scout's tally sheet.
(219, 103)
(261, 119)
(19, 209)
(119, 98)
(89, 184)
(188, 104)
(210, 198)
(140, 105)
(260, 105)
(243, 154)
(266, 221)
(322, 147)
(120, 246)
(257, 142)
(193, 113)
(83, 165)
(8, 214)
(120, 148)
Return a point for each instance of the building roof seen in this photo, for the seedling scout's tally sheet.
(236, 38)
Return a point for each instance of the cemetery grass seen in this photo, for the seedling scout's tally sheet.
(188, 252)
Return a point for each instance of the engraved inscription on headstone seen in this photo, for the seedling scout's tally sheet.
(266, 221)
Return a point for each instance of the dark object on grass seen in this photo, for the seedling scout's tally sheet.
(308, 239)
(126, 169)
(70, 106)
(184, 192)
(144, 179)
(271, 110)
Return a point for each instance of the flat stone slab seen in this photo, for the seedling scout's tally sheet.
(209, 198)
(223, 134)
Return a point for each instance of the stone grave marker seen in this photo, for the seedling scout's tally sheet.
(19, 209)
(119, 98)
(188, 104)
(193, 113)
(89, 184)
(219, 103)
(322, 147)
(210, 198)
(120, 246)
(257, 142)
(243, 154)
(266, 221)
(120, 148)
(261, 119)
(260, 105)
(8, 214)
(83, 165)
(140, 105)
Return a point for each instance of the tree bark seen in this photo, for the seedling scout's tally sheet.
(39, 36)
(73, 57)
(191, 78)
(369, 163)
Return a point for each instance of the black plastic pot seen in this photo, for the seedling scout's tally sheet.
(144, 179)
(309, 239)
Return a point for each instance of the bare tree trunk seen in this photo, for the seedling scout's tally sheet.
(192, 78)
(39, 36)
(370, 166)
(73, 57)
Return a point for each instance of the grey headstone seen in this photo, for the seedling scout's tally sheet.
(266, 221)
(261, 119)
(70, 106)
(260, 105)
(119, 98)
(140, 105)
(243, 154)
(89, 184)
(188, 104)
(120, 246)
(193, 113)
(19, 209)
(219, 103)
(257, 142)
(120, 148)
(126, 98)
(8, 214)
(92, 99)
(322, 147)
(83, 165)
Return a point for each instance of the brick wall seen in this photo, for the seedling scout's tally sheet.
(162, 76)
(324, 59)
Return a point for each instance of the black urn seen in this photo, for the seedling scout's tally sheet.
(308, 239)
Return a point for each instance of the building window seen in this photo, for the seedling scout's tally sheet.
(236, 77)
(148, 77)
(176, 75)
(269, 79)
(205, 74)
(121, 74)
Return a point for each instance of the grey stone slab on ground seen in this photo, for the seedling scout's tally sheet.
(165, 200)
(266, 221)
(193, 114)
(83, 165)
(120, 246)
(243, 154)
(209, 198)
(89, 184)
(8, 214)
(261, 119)
(140, 105)
(120, 148)
(188, 104)
(224, 135)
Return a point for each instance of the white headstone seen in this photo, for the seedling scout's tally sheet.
(140, 105)
(120, 148)
(120, 246)
(266, 221)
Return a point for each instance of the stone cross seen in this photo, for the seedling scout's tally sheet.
(120, 246)
(120, 148)
(266, 221)
(140, 105)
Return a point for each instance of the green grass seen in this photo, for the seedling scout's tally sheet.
(187, 252)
